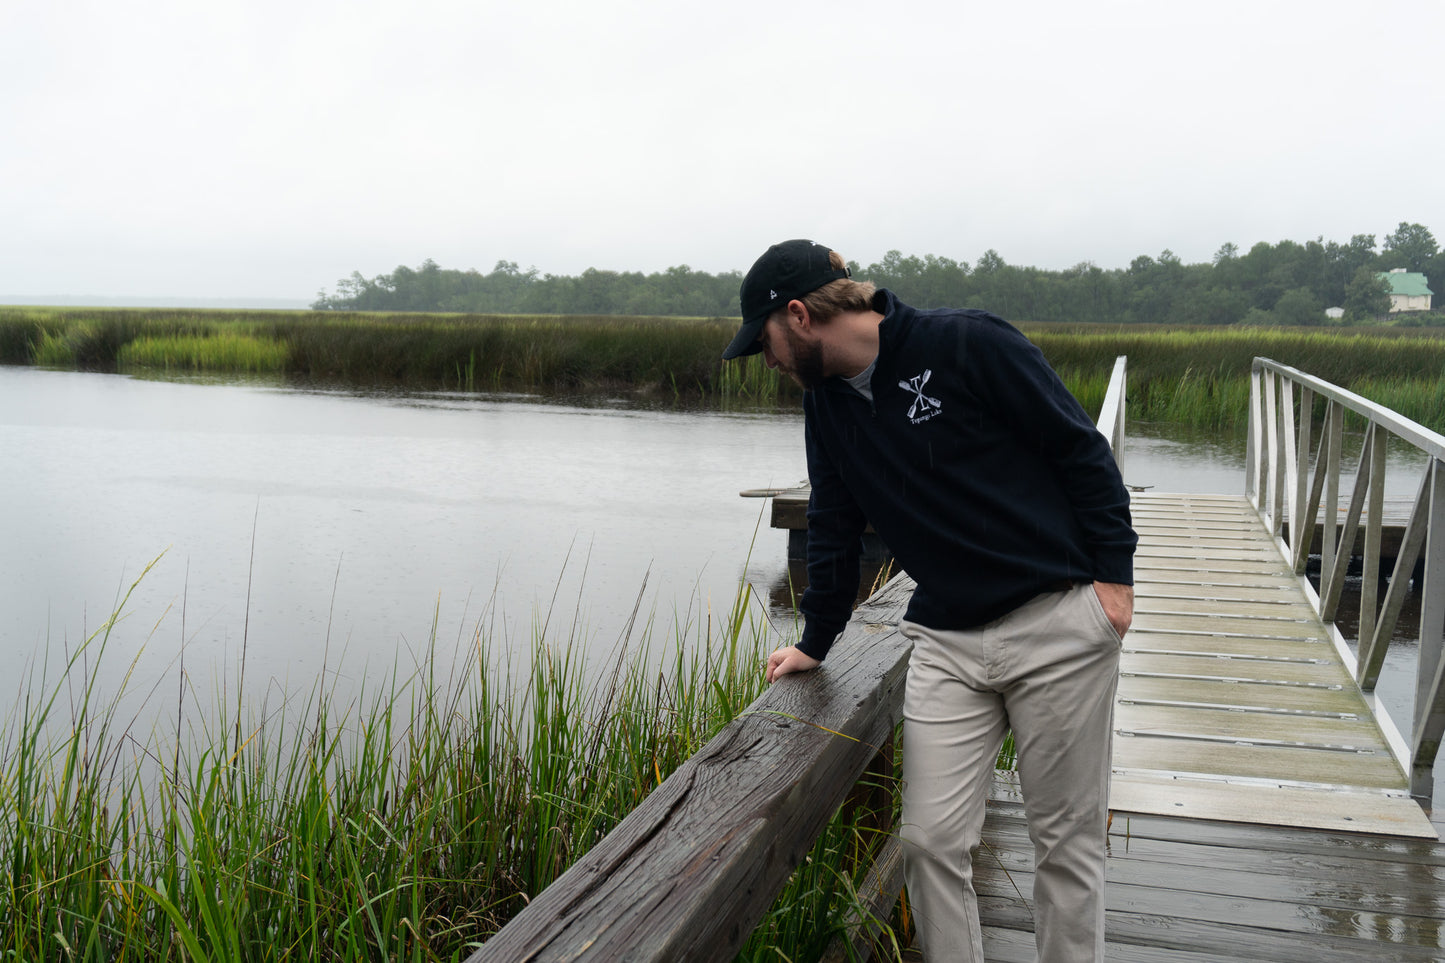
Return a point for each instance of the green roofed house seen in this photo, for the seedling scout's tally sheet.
(1408, 290)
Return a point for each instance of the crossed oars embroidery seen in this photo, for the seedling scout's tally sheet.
(922, 402)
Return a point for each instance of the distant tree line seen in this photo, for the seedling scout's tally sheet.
(678, 291)
(1286, 284)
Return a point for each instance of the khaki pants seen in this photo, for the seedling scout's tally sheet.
(1048, 670)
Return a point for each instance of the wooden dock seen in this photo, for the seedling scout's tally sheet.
(1259, 811)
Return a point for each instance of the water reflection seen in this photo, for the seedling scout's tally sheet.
(308, 524)
(1395, 899)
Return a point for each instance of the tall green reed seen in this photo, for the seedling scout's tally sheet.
(749, 379)
(1200, 377)
(1423, 400)
(664, 358)
(407, 823)
(220, 351)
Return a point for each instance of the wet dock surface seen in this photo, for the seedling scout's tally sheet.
(1205, 891)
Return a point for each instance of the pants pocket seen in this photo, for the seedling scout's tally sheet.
(1097, 607)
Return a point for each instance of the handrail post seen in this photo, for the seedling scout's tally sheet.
(1374, 522)
(1287, 498)
(1301, 518)
(1271, 451)
(1111, 414)
(1253, 427)
(1429, 721)
(1335, 429)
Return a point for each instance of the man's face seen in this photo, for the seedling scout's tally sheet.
(787, 351)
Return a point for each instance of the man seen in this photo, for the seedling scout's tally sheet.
(948, 431)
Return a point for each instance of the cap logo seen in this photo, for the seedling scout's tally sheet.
(772, 295)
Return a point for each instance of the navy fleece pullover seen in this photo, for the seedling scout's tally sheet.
(974, 464)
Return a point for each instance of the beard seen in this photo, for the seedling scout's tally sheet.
(807, 367)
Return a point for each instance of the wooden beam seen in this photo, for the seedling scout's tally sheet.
(689, 873)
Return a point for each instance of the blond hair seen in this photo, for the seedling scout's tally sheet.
(840, 296)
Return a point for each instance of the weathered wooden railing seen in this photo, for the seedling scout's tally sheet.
(690, 872)
(1289, 496)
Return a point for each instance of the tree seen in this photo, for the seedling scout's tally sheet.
(990, 262)
(1435, 278)
(1367, 296)
(1341, 263)
(1412, 244)
(1298, 306)
(1361, 249)
(1214, 305)
(1285, 282)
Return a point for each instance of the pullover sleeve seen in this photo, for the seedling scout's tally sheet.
(1026, 392)
(835, 529)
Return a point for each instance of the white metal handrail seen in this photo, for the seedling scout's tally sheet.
(1111, 415)
(1288, 496)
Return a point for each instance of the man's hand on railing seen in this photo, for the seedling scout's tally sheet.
(788, 660)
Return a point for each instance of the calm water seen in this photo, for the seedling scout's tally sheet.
(333, 530)
(352, 521)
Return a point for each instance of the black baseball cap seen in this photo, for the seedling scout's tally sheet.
(785, 271)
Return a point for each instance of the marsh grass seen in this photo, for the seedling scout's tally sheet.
(660, 358)
(1193, 376)
(60, 349)
(1200, 377)
(1423, 400)
(749, 379)
(219, 351)
(409, 823)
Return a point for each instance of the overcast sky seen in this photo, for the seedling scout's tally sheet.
(267, 148)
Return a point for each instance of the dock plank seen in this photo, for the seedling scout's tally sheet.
(1229, 645)
(1152, 559)
(1322, 730)
(1362, 769)
(1269, 666)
